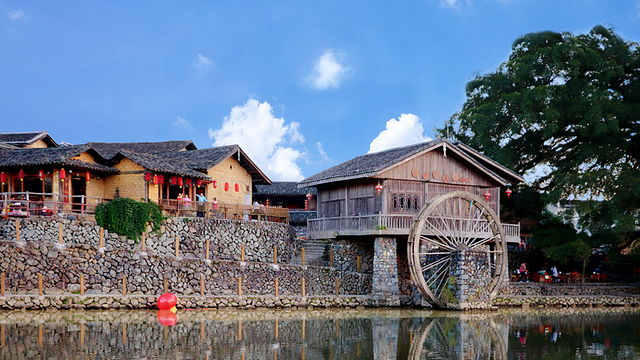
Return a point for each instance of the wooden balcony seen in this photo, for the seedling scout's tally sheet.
(224, 211)
(398, 225)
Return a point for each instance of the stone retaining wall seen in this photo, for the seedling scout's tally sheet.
(534, 289)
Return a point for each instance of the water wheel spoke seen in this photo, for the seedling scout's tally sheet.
(422, 254)
(444, 221)
(435, 263)
(437, 243)
(442, 236)
(482, 241)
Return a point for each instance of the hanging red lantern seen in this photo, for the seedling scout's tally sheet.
(21, 175)
(87, 176)
(237, 187)
(306, 205)
(226, 186)
(160, 179)
(309, 196)
(147, 176)
(199, 182)
(41, 175)
(173, 180)
(378, 189)
(155, 179)
(3, 178)
(188, 182)
(508, 191)
(180, 181)
(63, 174)
(215, 184)
(487, 195)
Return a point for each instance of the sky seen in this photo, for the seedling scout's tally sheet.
(300, 85)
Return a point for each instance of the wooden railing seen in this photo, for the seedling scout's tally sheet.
(224, 211)
(369, 223)
(24, 204)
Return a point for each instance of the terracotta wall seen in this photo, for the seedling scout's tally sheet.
(229, 171)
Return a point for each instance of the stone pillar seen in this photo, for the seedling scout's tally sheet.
(385, 338)
(385, 287)
(471, 277)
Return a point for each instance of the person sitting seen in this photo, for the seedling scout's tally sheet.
(523, 272)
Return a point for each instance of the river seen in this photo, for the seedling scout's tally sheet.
(560, 333)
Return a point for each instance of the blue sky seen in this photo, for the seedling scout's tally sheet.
(300, 86)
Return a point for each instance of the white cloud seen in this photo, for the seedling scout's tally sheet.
(183, 123)
(323, 153)
(18, 15)
(264, 138)
(202, 62)
(329, 71)
(406, 130)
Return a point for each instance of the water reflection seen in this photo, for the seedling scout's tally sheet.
(322, 334)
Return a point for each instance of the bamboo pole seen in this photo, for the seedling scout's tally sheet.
(124, 285)
(359, 260)
(101, 237)
(276, 286)
(17, 230)
(303, 287)
(302, 256)
(40, 292)
(242, 253)
(275, 254)
(331, 258)
(81, 284)
(201, 285)
(2, 284)
(177, 246)
(60, 233)
(144, 243)
(206, 256)
(240, 286)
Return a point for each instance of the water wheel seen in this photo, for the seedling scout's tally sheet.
(450, 223)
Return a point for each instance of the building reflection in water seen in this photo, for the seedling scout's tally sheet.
(323, 334)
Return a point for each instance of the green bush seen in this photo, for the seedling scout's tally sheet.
(128, 217)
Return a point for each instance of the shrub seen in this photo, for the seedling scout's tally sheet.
(128, 217)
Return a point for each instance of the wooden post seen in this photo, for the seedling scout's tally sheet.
(275, 254)
(276, 329)
(303, 286)
(201, 285)
(206, 256)
(304, 327)
(144, 243)
(40, 334)
(276, 287)
(17, 230)
(124, 333)
(124, 285)
(81, 334)
(242, 253)
(101, 237)
(239, 330)
(337, 329)
(2, 335)
(337, 284)
(359, 260)
(40, 292)
(331, 258)
(302, 253)
(302, 354)
(81, 284)
(60, 233)
(240, 286)
(202, 331)
(2, 284)
(177, 246)
(166, 285)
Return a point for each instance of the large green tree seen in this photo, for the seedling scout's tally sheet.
(567, 107)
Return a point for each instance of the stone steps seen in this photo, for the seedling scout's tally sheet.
(313, 253)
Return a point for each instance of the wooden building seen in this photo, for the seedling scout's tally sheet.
(381, 193)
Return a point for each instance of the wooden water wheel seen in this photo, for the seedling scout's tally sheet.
(450, 223)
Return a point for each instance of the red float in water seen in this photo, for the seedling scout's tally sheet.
(167, 318)
(167, 301)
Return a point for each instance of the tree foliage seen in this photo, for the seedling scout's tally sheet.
(569, 106)
(128, 217)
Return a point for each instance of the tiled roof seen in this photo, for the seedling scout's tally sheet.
(284, 188)
(160, 164)
(301, 217)
(50, 156)
(109, 150)
(202, 159)
(21, 139)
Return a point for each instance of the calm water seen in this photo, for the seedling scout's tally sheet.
(323, 334)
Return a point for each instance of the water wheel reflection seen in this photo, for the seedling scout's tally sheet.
(458, 338)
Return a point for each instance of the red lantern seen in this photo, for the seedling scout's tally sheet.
(63, 174)
(180, 181)
(3, 178)
(487, 195)
(160, 179)
(237, 187)
(147, 176)
(508, 191)
(199, 182)
(378, 188)
(155, 179)
(215, 184)
(188, 182)
(41, 174)
(226, 186)
(87, 176)
(309, 196)
(173, 180)
(306, 205)
(21, 175)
